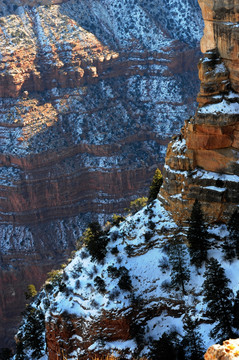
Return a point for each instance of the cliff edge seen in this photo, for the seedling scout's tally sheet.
(203, 161)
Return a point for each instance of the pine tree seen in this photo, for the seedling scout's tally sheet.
(95, 240)
(233, 227)
(197, 236)
(155, 185)
(180, 274)
(231, 244)
(192, 339)
(218, 297)
(31, 292)
(5, 354)
(228, 250)
(34, 330)
(20, 355)
(236, 312)
(164, 348)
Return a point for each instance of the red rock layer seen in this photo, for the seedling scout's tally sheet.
(52, 178)
(67, 333)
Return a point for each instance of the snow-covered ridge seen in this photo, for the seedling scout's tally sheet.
(139, 245)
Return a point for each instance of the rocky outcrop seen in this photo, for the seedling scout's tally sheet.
(228, 351)
(203, 161)
(87, 105)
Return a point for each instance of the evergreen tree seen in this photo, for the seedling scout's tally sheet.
(155, 185)
(218, 297)
(20, 355)
(164, 348)
(231, 244)
(96, 241)
(192, 339)
(228, 250)
(31, 292)
(34, 330)
(167, 347)
(197, 236)
(5, 354)
(233, 227)
(236, 312)
(180, 274)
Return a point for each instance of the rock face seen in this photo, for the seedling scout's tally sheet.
(228, 351)
(90, 92)
(203, 162)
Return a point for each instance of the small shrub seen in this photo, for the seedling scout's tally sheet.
(100, 284)
(114, 251)
(113, 272)
(129, 250)
(84, 255)
(114, 294)
(114, 236)
(78, 285)
(137, 205)
(151, 225)
(95, 270)
(164, 264)
(119, 259)
(117, 219)
(94, 303)
(148, 235)
(166, 285)
(125, 281)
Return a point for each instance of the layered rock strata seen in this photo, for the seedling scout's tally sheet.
(203, 162)
(90, 92)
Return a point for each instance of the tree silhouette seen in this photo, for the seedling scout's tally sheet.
(180, 274)
(218, 297)
(197, 236)
(233, 227)
(96, 241)
(192, 339)
(155, 185)
(231, 244)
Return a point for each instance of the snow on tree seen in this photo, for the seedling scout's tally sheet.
(218, 297)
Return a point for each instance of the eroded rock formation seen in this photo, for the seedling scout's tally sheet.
(90, 92)
(228, 351)
(203, 161)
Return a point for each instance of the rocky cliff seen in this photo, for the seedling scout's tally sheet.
(125, 303)
(90, 92)
(203, 161)
(228, 351)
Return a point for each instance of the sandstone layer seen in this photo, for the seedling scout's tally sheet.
(90, 92)
(203, 162)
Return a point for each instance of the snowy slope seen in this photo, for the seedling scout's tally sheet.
(146, 259)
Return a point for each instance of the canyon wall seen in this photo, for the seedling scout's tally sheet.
(203, 162)
(90, 93)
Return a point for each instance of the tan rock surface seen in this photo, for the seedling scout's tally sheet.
(203, 162)
(228, 351)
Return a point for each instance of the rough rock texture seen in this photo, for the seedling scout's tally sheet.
(85, 321)
(90, 92)
(228, 351)
(203, 162)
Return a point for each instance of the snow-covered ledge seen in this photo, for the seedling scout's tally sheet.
(228, 351)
